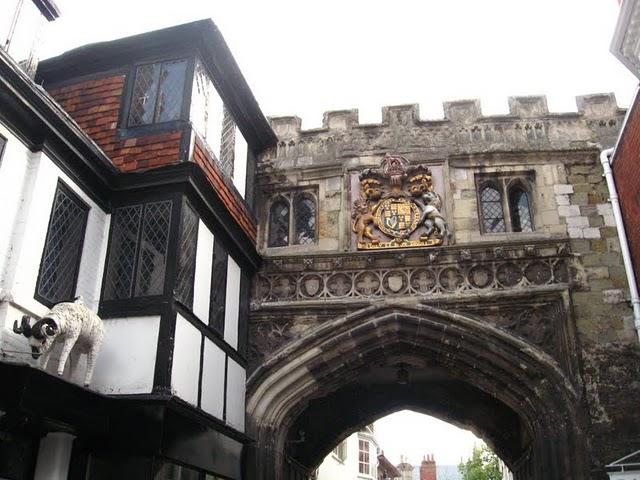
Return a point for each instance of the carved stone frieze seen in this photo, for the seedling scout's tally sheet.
(367, 277)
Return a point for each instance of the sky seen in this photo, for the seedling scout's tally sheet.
(414, 435)
(306, 57)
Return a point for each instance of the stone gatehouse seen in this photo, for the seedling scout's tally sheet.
(513, 322)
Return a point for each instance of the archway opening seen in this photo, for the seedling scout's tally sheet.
(381, 360)
(409, 445)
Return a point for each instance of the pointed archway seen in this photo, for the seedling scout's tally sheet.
(340, 376)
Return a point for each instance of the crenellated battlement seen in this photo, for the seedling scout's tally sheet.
(464, 129)
(468, 111)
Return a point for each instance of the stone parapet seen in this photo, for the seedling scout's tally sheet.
(529, 126)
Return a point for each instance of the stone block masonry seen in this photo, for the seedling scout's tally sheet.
(560, 287)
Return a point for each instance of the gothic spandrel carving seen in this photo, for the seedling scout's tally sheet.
(398, 207)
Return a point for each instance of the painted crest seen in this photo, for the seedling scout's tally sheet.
(398, 207)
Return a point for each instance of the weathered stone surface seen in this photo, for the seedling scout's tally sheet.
(330, 325)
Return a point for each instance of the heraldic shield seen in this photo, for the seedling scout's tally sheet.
(398, 207)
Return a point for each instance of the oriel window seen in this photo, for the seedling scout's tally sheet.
(158, 93)
(62, 251)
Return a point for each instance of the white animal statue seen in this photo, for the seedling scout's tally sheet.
(70, 323)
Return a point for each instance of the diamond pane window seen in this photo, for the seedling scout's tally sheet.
(207, 109)
(152, 256)
(124, 241)
(158, 93)
(492, 212)
(187, 255)
(63, 248)
(227, 144)
(218, 287)
(279, 223)
(138, 251)
(520, 211)
(304, 209)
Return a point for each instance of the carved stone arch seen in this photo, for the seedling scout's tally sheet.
(464, 370)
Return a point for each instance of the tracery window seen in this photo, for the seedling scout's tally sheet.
(505, 203)
(292, 219)
(279, 223)
(520, 210)
(492, 213)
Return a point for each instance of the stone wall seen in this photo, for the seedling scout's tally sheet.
(584, 313)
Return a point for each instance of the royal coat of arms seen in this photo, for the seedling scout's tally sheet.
(398, 207)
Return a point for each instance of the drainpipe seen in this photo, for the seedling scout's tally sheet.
(605, 159)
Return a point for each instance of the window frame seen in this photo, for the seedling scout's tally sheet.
(124, 305)
(340, 451)
(61, 185)
(504, 183)
(290, 197)
(129, 131)
(367, 452)
(518, 183)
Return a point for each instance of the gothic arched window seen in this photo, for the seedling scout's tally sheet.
(520, 210)
(492, 212)
(304, 211)
(279, 223)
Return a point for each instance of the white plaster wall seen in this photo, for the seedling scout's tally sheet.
(14, 173)
(332, 468)
(185, 371)
(212, 400)
(127, 361)
(232, 303)
(240, 163)
(27, 186)
(30, 230)
(236, 379)
(202, 282)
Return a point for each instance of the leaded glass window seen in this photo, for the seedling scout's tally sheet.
(227, 144)
(218, 287)
(304, 209)
(520, 211)
(138, 251)
(492, 212)
(62, 248)
(158, 92)
(124, 240)
(187, 255)
(152, 257)
(279, 223)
